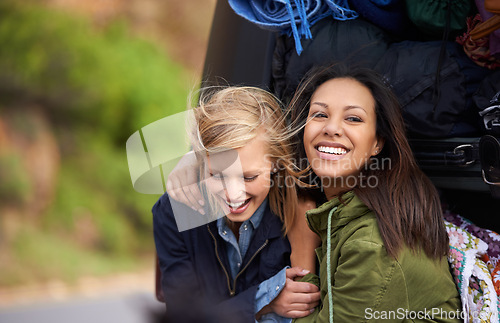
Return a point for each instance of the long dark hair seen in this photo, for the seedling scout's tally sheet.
(405, 201)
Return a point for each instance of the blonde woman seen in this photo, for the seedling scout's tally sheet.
(235, 268)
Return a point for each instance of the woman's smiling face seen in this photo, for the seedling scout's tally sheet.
(240, 179)
(340, 135)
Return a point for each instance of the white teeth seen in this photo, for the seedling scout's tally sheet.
(332, 150)
(235, 205)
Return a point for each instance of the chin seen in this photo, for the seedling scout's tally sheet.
(238, 217)
(328, 173)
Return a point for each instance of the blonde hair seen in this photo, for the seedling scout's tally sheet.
(230, 117)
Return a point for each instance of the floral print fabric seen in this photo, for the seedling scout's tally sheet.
(474, 260)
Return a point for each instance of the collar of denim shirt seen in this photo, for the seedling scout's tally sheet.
(236, 249)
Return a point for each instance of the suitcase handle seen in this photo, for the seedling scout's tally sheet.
(462, 155)
(461, 149)
(487, 181)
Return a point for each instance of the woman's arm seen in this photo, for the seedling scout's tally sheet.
(297, 299)
(302, 240)
(182, 183)
(175, 262)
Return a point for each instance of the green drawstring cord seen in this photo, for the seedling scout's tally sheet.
(328, 264)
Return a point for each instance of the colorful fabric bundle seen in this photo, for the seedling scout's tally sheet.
(478, 49)
(293, 17)
(474, 259)
(490, 12)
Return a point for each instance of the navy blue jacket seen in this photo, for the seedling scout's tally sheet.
(196, 279)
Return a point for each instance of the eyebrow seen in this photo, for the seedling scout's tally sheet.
(349, 107)
(321, 104)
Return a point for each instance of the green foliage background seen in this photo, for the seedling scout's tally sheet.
(97, 86)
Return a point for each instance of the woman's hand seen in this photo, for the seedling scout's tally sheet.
(302, 240)
(297, 299)
(182, 183)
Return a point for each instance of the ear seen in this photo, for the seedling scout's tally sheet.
(377, 147)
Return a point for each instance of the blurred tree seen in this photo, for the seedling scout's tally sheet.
(71, 93)
(83, 76)
(180, 27)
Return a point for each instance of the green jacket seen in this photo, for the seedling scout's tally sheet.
(368, 285)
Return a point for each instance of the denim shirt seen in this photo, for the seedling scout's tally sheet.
(236, 250)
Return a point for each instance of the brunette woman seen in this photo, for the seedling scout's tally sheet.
(383, 241)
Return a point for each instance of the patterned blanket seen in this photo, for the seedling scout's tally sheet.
(474, 260)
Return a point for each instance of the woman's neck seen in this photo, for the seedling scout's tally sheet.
(335, 188)
(235, 228)
(333, 191)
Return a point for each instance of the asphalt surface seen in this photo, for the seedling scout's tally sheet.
(140, 307)
(120, 298)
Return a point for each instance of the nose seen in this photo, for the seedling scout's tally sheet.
(234, 188)
(334, 127)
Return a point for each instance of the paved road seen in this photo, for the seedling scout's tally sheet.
(132, 308)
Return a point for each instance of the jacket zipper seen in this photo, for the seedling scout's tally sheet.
(232, 291)
(220, 261)
(241, 271)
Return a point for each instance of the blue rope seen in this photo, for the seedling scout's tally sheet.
(339, 9)
(304, 23)
(328, 264)
(296, 36)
